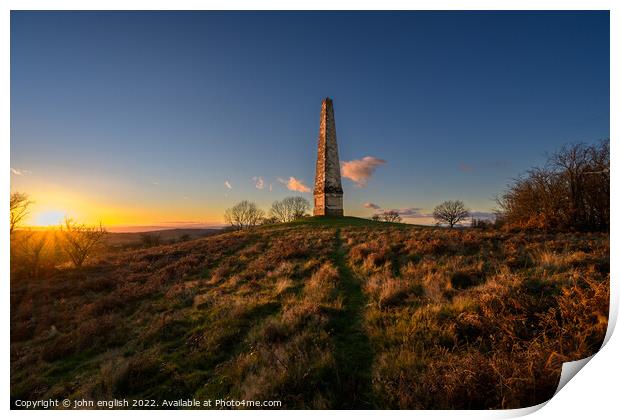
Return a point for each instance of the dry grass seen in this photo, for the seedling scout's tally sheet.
(453, 319)
(468, 319)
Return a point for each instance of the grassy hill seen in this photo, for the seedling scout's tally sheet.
(323, 313)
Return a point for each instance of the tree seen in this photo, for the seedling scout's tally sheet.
(376, 217)
(391, 216)
(289, 209)
(19, 209)
(451, 212)
(570, 192)
(243, 215)
(29, 252)
(79, 240)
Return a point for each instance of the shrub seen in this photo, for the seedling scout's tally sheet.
(79, 241)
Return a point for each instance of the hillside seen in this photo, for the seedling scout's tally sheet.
(324, 313)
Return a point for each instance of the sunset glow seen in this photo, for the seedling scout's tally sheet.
(300, 210)
(169, 128)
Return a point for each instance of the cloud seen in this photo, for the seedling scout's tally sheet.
(227, 184)
(19, 172)
(413, 213)
(407, 212)
(259, 182)
(464, 167)
(270, 187)
(410, 213)
(155, 183)
(486, 215)
(294, 184)
(360, 171)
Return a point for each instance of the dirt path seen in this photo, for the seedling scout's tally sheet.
(353, 351)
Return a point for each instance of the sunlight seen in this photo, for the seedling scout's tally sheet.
(49, 218)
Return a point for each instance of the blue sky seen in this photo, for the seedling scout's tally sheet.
(142, 117)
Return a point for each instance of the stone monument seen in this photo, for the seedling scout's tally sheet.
(327, 184)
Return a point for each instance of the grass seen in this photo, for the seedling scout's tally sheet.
(352, 349)
(321, 313)
(337, 222)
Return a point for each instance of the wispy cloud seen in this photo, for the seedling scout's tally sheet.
(372, 206)
(465, 167)
(228, 185)
(270, 187)
(19, 172)
(407, 212)
(294, 184)
(360, 171)
(486, 215)
(412, 213)
(155, 183)
(259, 182)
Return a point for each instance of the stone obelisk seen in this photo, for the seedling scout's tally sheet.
(327, 185)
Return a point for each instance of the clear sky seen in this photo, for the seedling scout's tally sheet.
(168, 118)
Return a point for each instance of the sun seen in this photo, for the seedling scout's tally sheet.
(49, 218)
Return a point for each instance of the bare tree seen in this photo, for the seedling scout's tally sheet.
(451, 212)
(243, 215)
(391, 216)
(289, 209)
(376, 217)
(32, 245)
(570, 192)
(79, 240)
(19, 209)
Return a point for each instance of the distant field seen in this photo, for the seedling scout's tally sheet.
(323, 313)
(165, 235)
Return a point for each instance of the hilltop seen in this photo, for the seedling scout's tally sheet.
(321, 313)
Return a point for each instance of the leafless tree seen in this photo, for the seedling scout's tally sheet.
(19, 209)
(289, 209)
(391, 216)
(79, 240)
(243, 215)
(570, 192)
(376, 217)
(451, 212)
(31, 247)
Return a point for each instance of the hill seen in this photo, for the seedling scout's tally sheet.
(128, 239)
(324, 313)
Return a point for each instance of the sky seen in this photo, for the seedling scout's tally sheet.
(168, 118)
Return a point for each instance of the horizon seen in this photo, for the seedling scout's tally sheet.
(165, 119)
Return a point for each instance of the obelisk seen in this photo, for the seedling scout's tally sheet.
(327, 185)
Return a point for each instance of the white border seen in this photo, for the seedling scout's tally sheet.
(592, 395)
